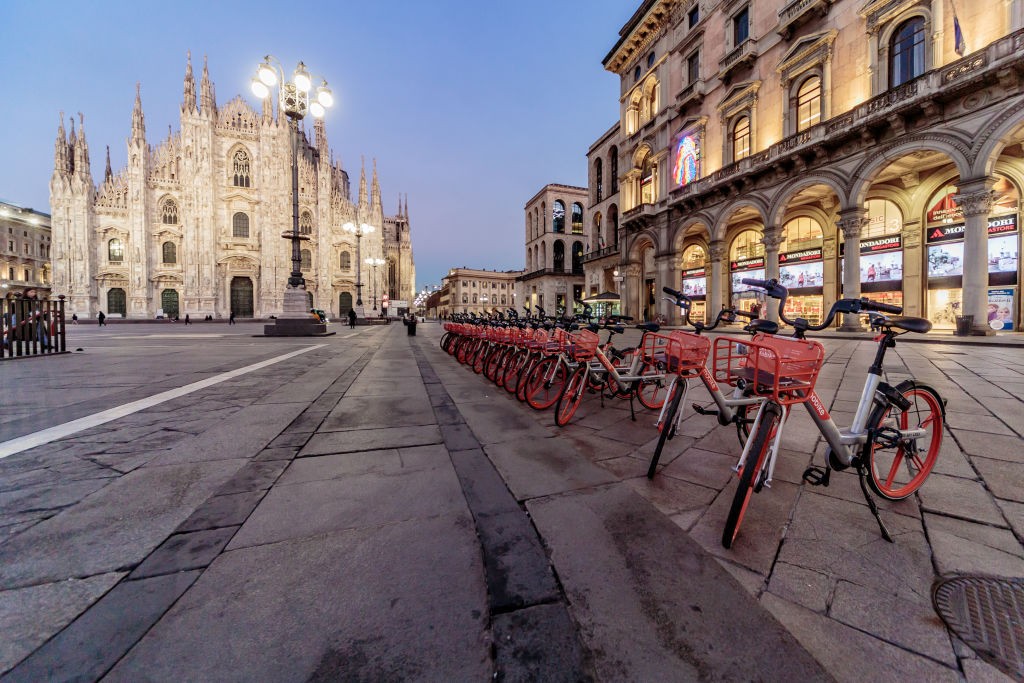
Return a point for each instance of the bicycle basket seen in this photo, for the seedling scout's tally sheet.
(557, 341)
(780, 368)
(653, 347)
(584, 345)
(686, 353)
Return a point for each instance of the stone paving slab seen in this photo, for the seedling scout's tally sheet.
(540, 467)
(321, 608)
(651, 604)
(30, 616)
(113, 528)
(325, 443)
(97, 639)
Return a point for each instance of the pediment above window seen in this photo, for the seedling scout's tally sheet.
(878, 12)
(808, 52)
(740, 96)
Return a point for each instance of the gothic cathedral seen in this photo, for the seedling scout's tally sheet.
(195, 224)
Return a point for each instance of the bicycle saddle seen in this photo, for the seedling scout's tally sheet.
(763, 326)
(910, 324)
(649, 327)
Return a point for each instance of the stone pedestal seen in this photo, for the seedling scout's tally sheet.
(296, 320)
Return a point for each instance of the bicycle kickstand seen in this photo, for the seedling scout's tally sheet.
(861, 474)
(632, 411)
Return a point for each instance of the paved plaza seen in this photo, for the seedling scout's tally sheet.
(197, 503)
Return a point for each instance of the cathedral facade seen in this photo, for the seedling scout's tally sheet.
(197, 224)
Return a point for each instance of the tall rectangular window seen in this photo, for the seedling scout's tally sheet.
(693, 67)
(693, 16)
(741, 27)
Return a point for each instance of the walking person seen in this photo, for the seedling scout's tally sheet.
(187, 321)
(352, 318)
(102, 319)
(74, 318)
(231, 318)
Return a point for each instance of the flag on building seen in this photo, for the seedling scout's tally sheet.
(958, 36)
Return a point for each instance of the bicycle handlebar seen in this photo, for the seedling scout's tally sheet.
(775, 290)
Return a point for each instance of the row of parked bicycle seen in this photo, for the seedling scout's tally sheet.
(893, 441)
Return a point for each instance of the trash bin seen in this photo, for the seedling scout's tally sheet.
(963, 325)
(411, 327)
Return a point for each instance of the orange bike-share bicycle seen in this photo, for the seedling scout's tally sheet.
(896, 433)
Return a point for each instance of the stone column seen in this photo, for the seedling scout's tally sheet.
(666, 267)
(975, 200)
(772, 239)
(716, 254)
(851, 223)
(631, 288)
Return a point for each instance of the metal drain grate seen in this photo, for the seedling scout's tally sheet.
(987, 613)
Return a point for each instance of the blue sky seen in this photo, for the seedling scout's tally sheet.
(470, 108)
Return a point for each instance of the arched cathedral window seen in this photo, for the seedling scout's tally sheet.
(115, 251)
(240, 225)
(306, 223)
(169, 213)
(345, 262)
(170, 252)
(240, 169)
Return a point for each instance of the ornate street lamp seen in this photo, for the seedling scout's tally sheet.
(294, 102)
(359, 231)
(375, 262)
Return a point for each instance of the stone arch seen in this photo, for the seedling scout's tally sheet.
(639, 243)
(777, 206)
(990, 143)
(721, 228)
(684, 229)
(864, 175)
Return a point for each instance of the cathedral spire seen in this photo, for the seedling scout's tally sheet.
(321, 140)
(82, 149)
(207, 100)
(268, 110)
(189, 104)
(362, 183)
(376, 187)
(61, 161)
(107, 173)
(405, 213)
(138, 120)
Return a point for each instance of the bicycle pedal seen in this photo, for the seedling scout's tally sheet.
(704, 411)
(817, 476)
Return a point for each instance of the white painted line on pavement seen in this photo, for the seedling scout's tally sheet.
(45, 436)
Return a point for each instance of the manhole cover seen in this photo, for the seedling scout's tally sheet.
(987, 613)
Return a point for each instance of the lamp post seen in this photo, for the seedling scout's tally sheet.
(359, 231)
(375, 262)
(294, 102)
(483, 300)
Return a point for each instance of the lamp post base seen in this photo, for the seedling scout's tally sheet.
(296, 319)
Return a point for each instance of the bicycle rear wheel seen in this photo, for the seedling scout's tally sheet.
(492, 362)
(545, 383)
(571, 396)
(898, 467)
(753, 464)
(513, 369)
(652, 391)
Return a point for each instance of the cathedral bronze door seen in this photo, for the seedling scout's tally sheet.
(117, 302)
(241, 297)
(169, 302)
(344, 303)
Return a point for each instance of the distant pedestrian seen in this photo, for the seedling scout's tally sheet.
(74, 318)
(102, 319)
(187, 321)
(231, 318)
(352, 318)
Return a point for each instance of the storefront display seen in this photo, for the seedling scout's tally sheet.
(881, 268)
(695, 286)
(802, 272)
(945, 269)
(745, 297)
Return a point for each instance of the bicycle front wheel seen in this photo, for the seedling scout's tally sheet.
(666, 429)
(571, 397)
(898, 466)
(513, 369)
(753, 464)
(545, 383)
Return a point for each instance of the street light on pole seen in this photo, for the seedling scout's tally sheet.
(359, 231)
(375, 262)
(294, 102)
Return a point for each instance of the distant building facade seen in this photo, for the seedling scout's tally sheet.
(478, 292)
(845, 148)
(195, 224)
(24, 252)
(556, 242)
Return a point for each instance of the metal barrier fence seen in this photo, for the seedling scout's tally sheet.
(32, 328)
